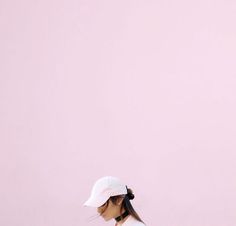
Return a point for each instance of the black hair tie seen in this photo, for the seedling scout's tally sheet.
(129, 194)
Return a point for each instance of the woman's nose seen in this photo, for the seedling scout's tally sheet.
(99, 210)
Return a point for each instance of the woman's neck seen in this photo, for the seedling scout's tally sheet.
(120, 222)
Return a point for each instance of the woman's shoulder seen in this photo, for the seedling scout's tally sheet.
(131, 221)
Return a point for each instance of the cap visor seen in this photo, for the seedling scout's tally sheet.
(96, 201)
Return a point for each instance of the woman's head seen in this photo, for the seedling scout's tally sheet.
(111, 208)
(112, 198)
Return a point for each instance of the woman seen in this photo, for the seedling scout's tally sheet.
(112, 199)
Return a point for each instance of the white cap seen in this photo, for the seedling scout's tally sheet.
(103, 189)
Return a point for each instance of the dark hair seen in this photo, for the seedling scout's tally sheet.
(126, 204)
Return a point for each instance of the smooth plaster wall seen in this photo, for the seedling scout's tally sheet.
(141, 90)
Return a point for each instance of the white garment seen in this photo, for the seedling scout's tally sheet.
(131, 221)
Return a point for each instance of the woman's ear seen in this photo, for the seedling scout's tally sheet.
(120, 200)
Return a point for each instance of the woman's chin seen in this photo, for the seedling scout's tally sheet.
(106, 218)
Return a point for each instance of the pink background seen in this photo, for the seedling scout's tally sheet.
(142, 90)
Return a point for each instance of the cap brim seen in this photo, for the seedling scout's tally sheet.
(96, 201)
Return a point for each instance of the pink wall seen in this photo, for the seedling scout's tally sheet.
(142, 90)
